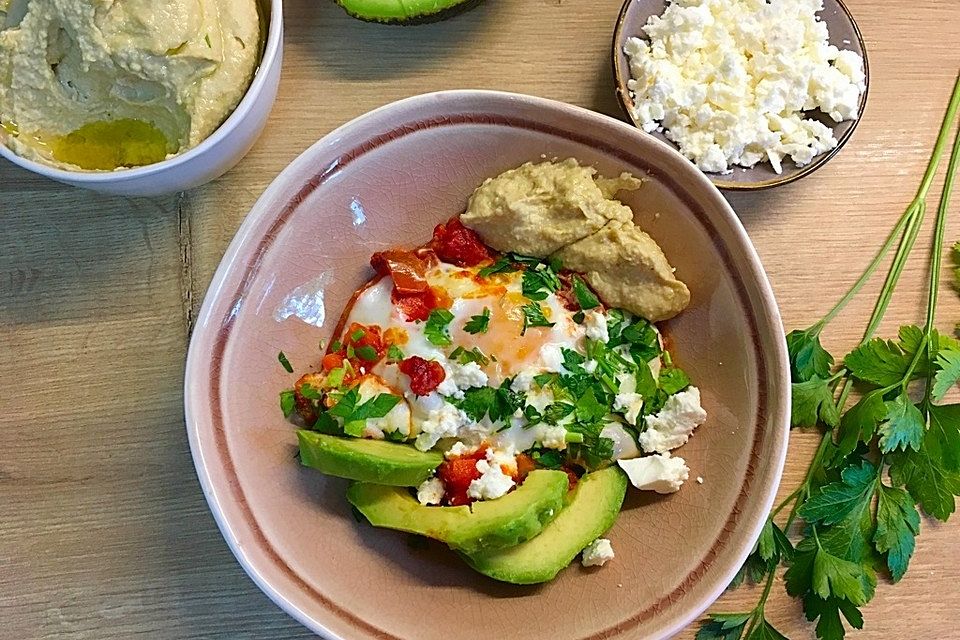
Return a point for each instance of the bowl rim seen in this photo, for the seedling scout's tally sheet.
(625, 101)
(268, 61)
(197, 370)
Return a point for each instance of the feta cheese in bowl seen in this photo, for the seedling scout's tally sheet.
(755, 93)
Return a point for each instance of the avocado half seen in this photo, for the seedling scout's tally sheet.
(376, 461)
(405, 11)
(591, 510)
(491, 524)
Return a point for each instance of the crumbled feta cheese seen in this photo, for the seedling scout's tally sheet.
(662, 473)
(430, 491)
(553, 437)
(630, 404)
(444, 422)
(491, 484)
(504, 458)
(459, 449)
(590, 366)
(459, 377)
(552, 358)
(597, 553)
(729, 80)
(596, 325)
(523, 381)
(673, 424)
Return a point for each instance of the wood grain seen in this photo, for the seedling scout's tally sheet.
(104, 532)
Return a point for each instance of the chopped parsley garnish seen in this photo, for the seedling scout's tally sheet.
(335, 377)
(672, 380)
(288, 402)
(282, 357)
(543, 379)
(548, 458)
(588, 409)
(533, 317)
(499, 403)
(478, 324)
(585, 298)
(556, 412)
(355, 414)
(476, 402)
(437, 327)
(539, 282)
(308, 392)
(503, 264)
(394, 354)
(394, 436)
(366, 352)
(463, 356)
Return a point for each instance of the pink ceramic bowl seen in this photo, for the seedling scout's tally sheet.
(385, 180)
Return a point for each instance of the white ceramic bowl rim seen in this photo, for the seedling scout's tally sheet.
(196, 360)
(268, 59)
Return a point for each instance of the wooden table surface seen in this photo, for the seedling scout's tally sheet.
(104, 533)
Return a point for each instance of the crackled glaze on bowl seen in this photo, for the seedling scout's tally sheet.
(385, 180)
(844, 34)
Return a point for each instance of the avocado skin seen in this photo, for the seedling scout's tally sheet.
(591, 510)
(492, 524)
(367, 460)
(391, 12)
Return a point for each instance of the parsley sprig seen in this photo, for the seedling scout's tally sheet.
(437, 327)
(879, 458)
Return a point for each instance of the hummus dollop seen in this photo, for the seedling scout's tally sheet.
(566, 210)
(103, 85)
(537, 209)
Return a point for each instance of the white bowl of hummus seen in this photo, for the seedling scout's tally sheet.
(145, 97)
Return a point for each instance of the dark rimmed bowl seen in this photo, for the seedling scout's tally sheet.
(844, 34)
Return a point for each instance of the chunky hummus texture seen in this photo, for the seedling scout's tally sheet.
(563, 209)
(103, 84)
(628, 269)
(537, 209)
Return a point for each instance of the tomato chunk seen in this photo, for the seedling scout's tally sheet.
(457, 474)
(332, 361)
(425, 375)
(415, 306)
(406, 268)
(361, 346)
(454, 243)
(525, 465)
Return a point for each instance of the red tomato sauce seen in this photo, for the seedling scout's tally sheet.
(425, 375)
(457, 473)
(455, 244)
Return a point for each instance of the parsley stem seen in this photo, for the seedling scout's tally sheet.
(935, 257)
(804, 490)
(914, 210)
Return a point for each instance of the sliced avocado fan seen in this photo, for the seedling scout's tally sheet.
(376, 461)
(491, 524)
(403, 11)
(591, 510)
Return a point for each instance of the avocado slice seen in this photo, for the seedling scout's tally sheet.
(377, 461)
(591, 510)
(404, 11)
(490, 524)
